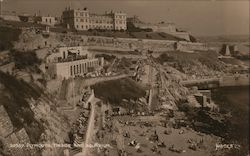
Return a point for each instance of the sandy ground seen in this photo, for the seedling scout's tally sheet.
(142, 134)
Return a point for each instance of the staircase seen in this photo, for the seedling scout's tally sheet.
(74, 151)
(78, 140)
(192, 101)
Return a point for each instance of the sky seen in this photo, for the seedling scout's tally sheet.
(200, 17)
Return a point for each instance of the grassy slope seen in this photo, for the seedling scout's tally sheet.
(25, 59)
(115, 90)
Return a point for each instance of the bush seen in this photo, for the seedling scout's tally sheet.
(184, 107)
(115, 90)
(25, 59)
(192, 38)
(165, 58)
(132, 28)
(7, 36)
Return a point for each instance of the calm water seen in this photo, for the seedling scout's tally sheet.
(235, 100)
(238, 96)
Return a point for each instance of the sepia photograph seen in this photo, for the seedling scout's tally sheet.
(124, 77)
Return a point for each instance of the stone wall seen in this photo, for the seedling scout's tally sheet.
(189, 46)
(31, 40)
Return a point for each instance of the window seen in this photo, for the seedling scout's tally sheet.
(80, 69)
(71, 70)
(64, 55)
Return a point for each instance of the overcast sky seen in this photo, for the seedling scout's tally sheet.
(200, 17)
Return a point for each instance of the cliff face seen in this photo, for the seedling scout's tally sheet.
(28, 115)
(30, 40)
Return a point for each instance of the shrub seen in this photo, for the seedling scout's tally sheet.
(115, 90)
(7, 36)
(25, 59)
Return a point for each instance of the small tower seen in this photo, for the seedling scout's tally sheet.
(235, 48)
(227, 52)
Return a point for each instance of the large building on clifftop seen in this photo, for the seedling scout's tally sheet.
(82, 19)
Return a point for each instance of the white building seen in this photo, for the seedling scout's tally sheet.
(65, 53)
(48, 20)
(82, 19)
(75, 68)
(68, 62)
